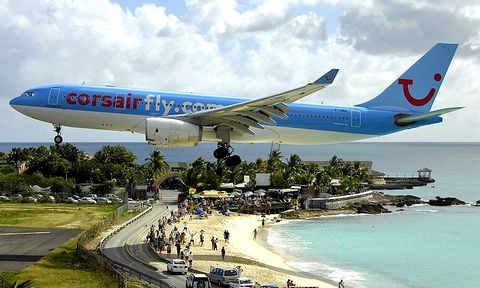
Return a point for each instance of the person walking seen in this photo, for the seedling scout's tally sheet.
(190, 258)
(223, 252)
(254, 234)
(341, 284)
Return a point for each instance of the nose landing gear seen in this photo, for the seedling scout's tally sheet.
(58, 139)
(224, 151)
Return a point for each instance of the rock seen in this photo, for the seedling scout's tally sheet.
(478, 203)
(397, 200)
(370, 208)
(447, 201)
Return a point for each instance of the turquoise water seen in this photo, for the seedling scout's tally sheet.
(420, 247)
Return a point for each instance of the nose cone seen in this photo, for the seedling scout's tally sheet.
(15, 102)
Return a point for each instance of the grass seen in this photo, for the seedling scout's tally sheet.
(61, 267)
(48, 215)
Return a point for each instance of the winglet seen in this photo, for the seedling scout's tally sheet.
(327, 78)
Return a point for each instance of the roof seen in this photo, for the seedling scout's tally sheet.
(425, 169)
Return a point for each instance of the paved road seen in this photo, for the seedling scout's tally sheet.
(133, 238)
(20, 247)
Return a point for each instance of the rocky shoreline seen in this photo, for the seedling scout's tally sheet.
(374, 206)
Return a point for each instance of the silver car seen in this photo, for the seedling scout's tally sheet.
(223, 276)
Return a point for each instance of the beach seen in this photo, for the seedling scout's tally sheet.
(257, 259)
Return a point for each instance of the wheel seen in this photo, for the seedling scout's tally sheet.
(220, 152)
(58, 139)
(233, 160)
(200, 284)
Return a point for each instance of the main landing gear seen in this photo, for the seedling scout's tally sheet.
(58, 139)
(224, 151)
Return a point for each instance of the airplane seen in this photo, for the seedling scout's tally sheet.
(173, 119)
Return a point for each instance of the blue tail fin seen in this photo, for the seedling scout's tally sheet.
(416, 88)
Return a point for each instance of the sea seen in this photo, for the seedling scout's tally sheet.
(418, 246)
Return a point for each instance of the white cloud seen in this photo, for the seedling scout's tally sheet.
(251, 49)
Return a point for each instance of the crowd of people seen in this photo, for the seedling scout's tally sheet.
(180, 240)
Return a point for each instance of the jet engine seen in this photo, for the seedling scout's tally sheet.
(168, 132)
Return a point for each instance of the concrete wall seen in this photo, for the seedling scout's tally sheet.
(339, 201)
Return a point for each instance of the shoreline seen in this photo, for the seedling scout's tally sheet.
(259, 260)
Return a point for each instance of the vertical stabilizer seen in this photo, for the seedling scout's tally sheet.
(416, 89)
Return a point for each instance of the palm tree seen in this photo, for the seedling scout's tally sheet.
(15, 156)
(156, 163)
(294, 163)
(274, 162)
(260, 165)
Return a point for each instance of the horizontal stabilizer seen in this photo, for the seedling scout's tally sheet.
(405, 120)
(327, 78)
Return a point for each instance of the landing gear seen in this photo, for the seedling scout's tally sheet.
(58, 139)
(224, 151)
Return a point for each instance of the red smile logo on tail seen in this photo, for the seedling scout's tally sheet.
(412, 100)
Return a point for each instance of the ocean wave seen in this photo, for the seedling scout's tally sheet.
(328, 272)
(420, 205)
(427, 210)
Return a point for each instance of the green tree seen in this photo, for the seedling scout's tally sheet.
(15, 157)
(156, 163)
(274, 162)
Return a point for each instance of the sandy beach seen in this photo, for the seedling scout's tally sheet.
(258, 261)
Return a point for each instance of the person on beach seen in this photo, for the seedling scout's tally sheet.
(341, 284)
(169, 249)
(201, 238)
(254, 234)
(215, 245)
(223, 253)
(213, 242)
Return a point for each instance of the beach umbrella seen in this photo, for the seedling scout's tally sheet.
(235, 194)
(196, 196)
(248, 193)
(260, 191)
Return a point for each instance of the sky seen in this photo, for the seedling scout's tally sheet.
(241, 48)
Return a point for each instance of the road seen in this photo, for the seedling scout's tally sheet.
(128, 245)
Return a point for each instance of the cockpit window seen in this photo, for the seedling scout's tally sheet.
(28, 93)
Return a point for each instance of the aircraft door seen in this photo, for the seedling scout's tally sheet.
(53, 96)
(356, 118)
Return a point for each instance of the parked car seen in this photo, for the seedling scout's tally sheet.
(223, 275)
(117, 200)
(51, 199)
(87, 200)
(110, 196)
(197, 281)
(242, 283)
(93, 196)
(70, 200)
(177, 266)
(269, 286)
(4, 198)
(29, 199)
(76, 197)
(103, 200)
